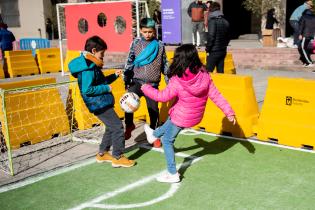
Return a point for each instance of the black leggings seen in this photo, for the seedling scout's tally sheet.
(216, 59)
(152, 105)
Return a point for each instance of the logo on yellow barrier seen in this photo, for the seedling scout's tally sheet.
(288, 101)
(295, 101)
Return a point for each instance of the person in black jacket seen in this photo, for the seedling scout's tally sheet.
(271, 19)
(306, 34)
(218, 39)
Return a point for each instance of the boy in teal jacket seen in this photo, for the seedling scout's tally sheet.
(96, 91)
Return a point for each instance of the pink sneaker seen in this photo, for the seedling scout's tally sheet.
(168, 178)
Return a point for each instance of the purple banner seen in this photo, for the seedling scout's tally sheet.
(171, 21)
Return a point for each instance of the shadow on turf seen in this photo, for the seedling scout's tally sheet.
(210, 148)
(140, 139)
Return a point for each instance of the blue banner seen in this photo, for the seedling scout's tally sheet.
(171, 21)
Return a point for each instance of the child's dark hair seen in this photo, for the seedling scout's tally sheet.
(95, 42)
(185, 56)
(147, 23)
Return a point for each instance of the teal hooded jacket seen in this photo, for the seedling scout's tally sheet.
(93, 85)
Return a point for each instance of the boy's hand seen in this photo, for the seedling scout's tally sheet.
(118, 72)
(232, 119)
(110, 88)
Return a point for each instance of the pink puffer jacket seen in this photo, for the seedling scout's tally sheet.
(191, 98)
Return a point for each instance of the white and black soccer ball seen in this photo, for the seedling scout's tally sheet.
(129, 102)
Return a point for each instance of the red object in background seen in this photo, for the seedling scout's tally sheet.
(115, 42)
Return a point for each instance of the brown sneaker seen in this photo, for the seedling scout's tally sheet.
(105, 158)
(128, 131)
(123, 162)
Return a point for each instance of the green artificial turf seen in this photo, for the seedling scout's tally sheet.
(231, 175)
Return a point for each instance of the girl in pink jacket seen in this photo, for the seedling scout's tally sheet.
(191, 85)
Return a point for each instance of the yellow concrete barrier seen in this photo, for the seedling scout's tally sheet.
(33, 115)
(70, 55)
(239, 92)
(48, 60)
(83, 117)
(229, 67)
(2, 76)
(20, 63)
(27, 83)
(287, 115)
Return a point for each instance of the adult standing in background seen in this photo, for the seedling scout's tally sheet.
(6, 38)
(208, 4)
(158, 23)
(306, 31)
(196, 11)
(49, 28)
(218, 38)
(271, 19)
(295, 18)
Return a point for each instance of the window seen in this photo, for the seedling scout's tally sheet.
(10, 14)
(101, 20)
(83, 26)
(120, 25)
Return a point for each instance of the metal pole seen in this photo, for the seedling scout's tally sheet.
(60, 40)
(73, 88)
(6, 134)
(147, 9)
(137, 18)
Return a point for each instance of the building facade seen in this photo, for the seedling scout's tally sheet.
(26, 18)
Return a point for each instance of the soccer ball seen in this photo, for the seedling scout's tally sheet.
(129, 102)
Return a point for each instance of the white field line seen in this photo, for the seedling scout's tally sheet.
(191, 132)
(174, 187)
(95, 201)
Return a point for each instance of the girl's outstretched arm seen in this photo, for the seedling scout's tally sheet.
(161, 96)
(219, 100)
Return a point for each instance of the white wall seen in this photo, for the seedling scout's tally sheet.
(32, 18)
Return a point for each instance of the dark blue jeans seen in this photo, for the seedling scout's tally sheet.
(295, 25)
(168, 131)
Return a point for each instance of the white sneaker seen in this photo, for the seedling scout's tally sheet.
(149, 132)
(310, 65)
(168, 178)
